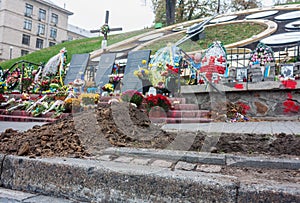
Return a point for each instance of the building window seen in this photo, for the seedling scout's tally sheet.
(53, 33)
(54, 18)
(28, 10)
(41, 29)
(27, 24)
(51, 44)
(39, 43)
(26, 39)
(42, 14)
(24, 52)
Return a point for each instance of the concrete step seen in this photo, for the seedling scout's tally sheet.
(188, 113)
(186, 107)
(177, 100)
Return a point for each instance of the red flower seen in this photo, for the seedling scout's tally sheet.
(291, 84)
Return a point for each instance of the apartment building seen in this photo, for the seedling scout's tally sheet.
(29, 25)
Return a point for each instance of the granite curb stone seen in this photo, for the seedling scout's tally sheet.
(93, 180)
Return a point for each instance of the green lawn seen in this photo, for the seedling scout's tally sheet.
(227, 34)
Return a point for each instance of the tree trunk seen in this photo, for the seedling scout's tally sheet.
(170, 11)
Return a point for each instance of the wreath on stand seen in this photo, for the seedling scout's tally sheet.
(104, 29)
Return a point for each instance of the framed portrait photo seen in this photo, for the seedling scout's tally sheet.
(241, 74)
(287, 70)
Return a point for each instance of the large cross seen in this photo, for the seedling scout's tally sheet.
(105, 29)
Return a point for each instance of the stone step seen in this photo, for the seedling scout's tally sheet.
(186, 107)
(179, 120)
(188, 113)
(177, 100)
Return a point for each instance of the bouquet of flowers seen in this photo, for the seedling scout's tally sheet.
(108, 87)
(142, 73)
(26, 82)
(158, 100)
(44, 85)
(132, 96)
(117, 78)
(89, 98)
(171, 71)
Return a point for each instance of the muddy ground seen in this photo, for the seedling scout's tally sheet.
(86, 133)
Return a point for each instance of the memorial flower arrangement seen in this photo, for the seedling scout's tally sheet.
(142, 73)
(132, 96)
(261, 55)
(170, 71)
(108, 87)
(157, 100)
(88, 98)
(72, 104)
(117, 78)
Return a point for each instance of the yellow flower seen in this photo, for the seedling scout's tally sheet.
(144, 62)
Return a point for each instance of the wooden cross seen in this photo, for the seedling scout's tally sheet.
(105, 29)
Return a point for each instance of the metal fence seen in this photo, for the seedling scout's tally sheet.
(239, 57)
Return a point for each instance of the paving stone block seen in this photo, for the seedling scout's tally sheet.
(185, 166)
(105, 157)
(209, 168)
(7, 195)
(141, 161)
(162, 163)
(124, 159)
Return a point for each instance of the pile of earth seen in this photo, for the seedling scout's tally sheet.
(88, 132)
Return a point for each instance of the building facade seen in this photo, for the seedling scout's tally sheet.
(30, 25)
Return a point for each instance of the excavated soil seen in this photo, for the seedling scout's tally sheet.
(122, 125)
(86, 133)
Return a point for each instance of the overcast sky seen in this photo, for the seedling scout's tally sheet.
(90, 14)
(128, 14)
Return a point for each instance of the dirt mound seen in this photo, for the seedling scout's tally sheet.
(123, 125)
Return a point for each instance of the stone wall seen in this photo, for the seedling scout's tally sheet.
(267, 99)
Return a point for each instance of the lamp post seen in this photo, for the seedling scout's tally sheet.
(10, 52)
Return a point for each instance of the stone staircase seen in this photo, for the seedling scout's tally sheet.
(181, 113)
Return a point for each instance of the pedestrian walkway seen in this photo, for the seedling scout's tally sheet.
(20, 126)
(14, 196)
(263, 127)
